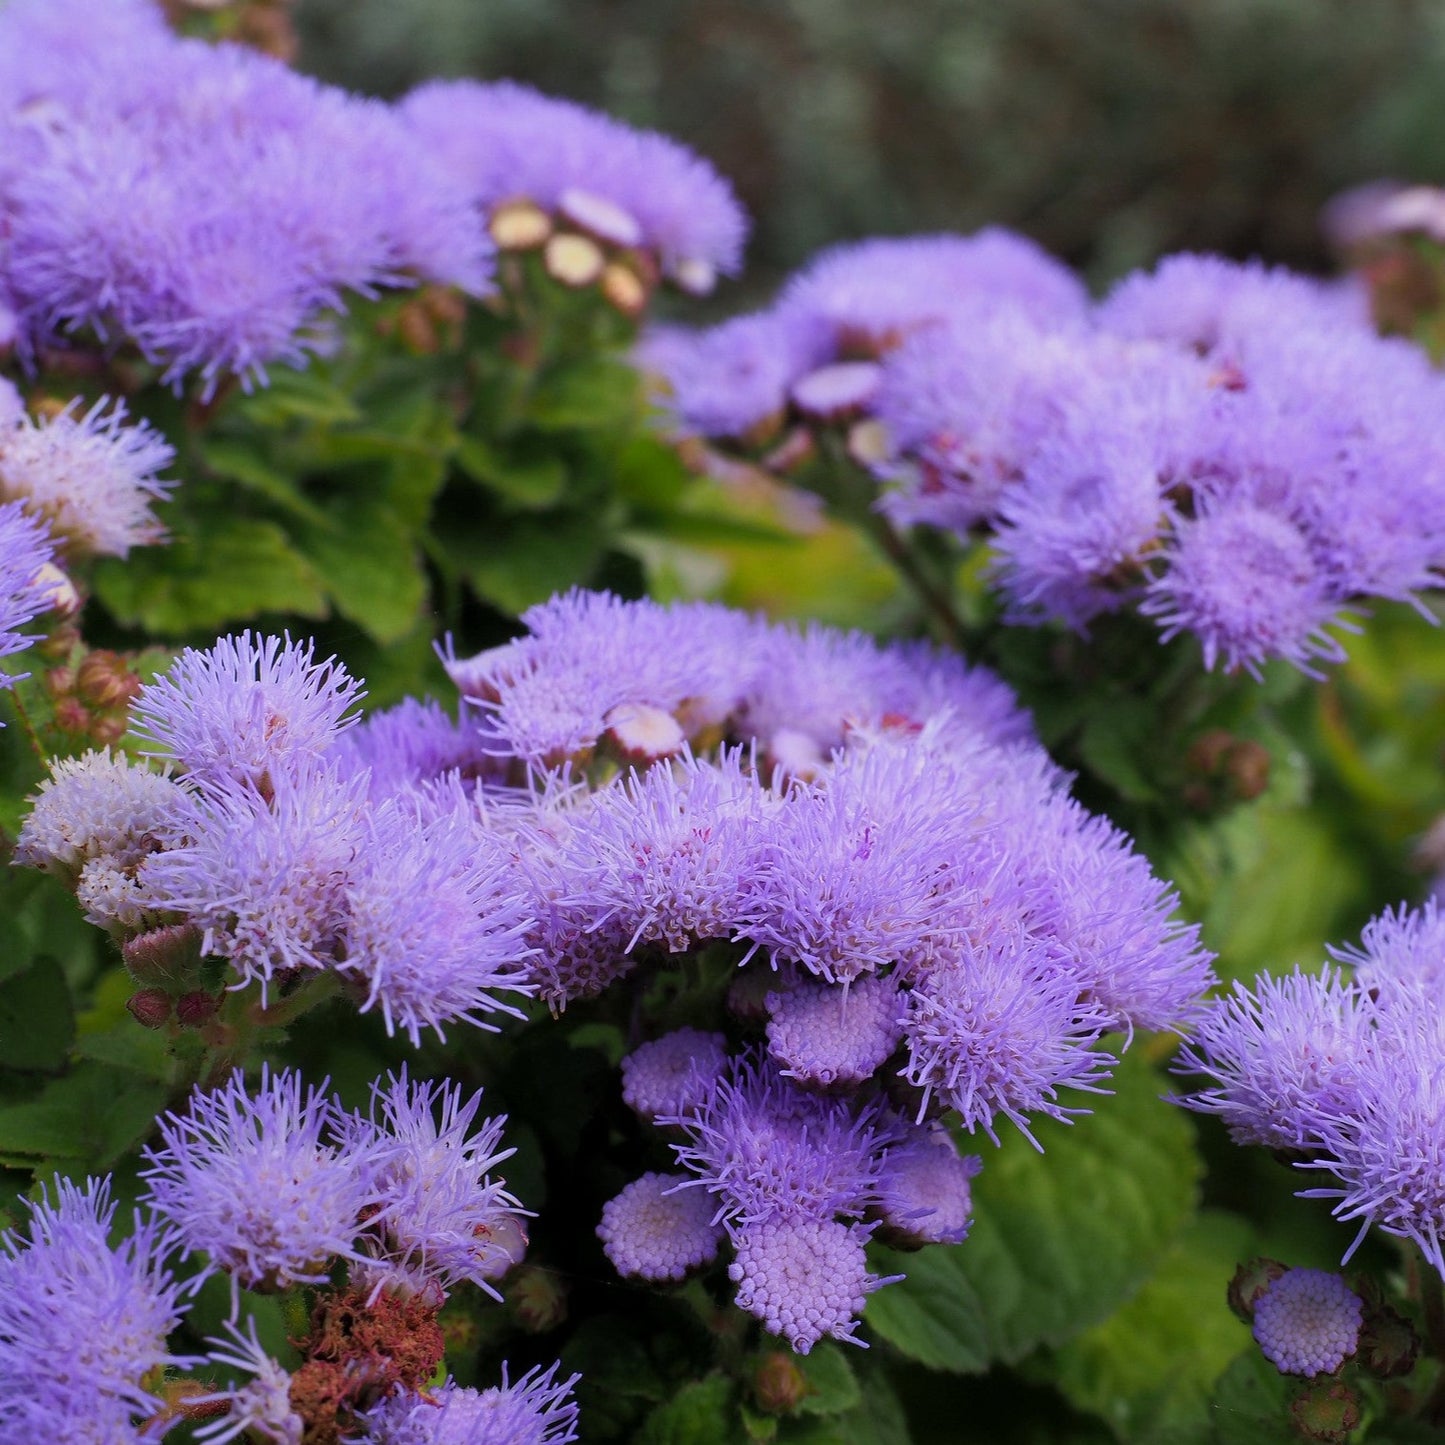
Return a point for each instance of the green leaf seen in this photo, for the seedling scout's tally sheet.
(1251, 1403)
(231, 570)
(1059, 1239)
(1113, 744)
(1150, 1368)
(701, 1413)
(93, 1115)
(529, 559)
(592, 393)
(37, 1022)
(524, 482)
(235, 461)
(832, 1385)
(298, 396)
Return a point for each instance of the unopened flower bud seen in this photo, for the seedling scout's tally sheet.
(623, 288)
(1388, 1344)
(1247, 768)
(163, 955)
(539, 1298)
(642, 732)
(106, 731)
(150, 1007)
(62, 596)
(868, 442)
(1326, 1413)
(59, 681)
(1250, 1281)
(779, 1385)
(103, 679)
(417, 330)
(573, 260)
(1208, 751)
(519, 226)
(60, 642)
(72, 715)
(196, 1008)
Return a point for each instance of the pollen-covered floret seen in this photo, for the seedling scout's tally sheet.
(1308, 1322)
(657, 1229)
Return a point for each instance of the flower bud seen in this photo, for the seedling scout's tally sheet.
(163, 955)
(539, 1297)
(104, 680)
(196, 1008)
(151, 1007)
(779, 1386)
(519, 226)
(1388, 1344)
(1326, 1413)
(573, 260)
(1250, 1281)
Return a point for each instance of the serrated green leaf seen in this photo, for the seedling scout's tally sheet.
(37, 1020)
(1059, 1239)
(1150, 1368)
(232, 569)
(701, 1413)
(832, 1385)
(371, 566)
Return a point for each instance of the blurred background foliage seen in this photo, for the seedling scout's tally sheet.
(1110, 131)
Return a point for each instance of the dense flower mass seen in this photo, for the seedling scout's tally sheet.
(1308, 1322)
(204, 203)
(25, 550)
(1343, 1069)
(1227, 449)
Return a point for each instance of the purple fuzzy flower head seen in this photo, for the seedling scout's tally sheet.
(260, 1405)
(924, 1194)
(413, 743)
(91, 477)
(434, 921)
(874, 293)
(803, 1277)
(506, 142)
(245, 708)
(536, 1409)
(251, 1181)
(674, 1074)
(658, 1229)
(25, 550)
(442, 1218)
(82, 1323)
(829, 1036)
(1308, 1322)
(1241, 576)
(731, 378)
(266, 880)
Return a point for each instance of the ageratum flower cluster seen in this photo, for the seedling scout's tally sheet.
(270, 842)
(273, 1187)
(1342, 1071)
(926, 925)
(1229, 450)
(213, 208)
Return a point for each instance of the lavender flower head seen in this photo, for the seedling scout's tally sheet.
(1308, 1322)
(91, 477)
(245, 708)
(674, 1074)
(504, 142)
(82, 1323)
(252, 1182)
(536, 1409)
(25, 550)
(442, 1219)
(262, 1404)
(658, 1229)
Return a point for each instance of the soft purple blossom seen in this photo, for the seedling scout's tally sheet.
(245, 708)
(536, 1409)
(830, 1036)
(257, 1407)
(251, 1181)
(1308, 1322)
(657, 1229)
(90, 476)
(803, 1277)
(265, 879)
(415, 742)
(433, 921)
(25, 550)
(503, 141)
(674, 1074)
(924, 1194)
(82, 1322)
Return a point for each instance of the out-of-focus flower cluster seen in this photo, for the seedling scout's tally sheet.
(1228, 449)
(1341, 1071)
(213, 208)
(275, 1188)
